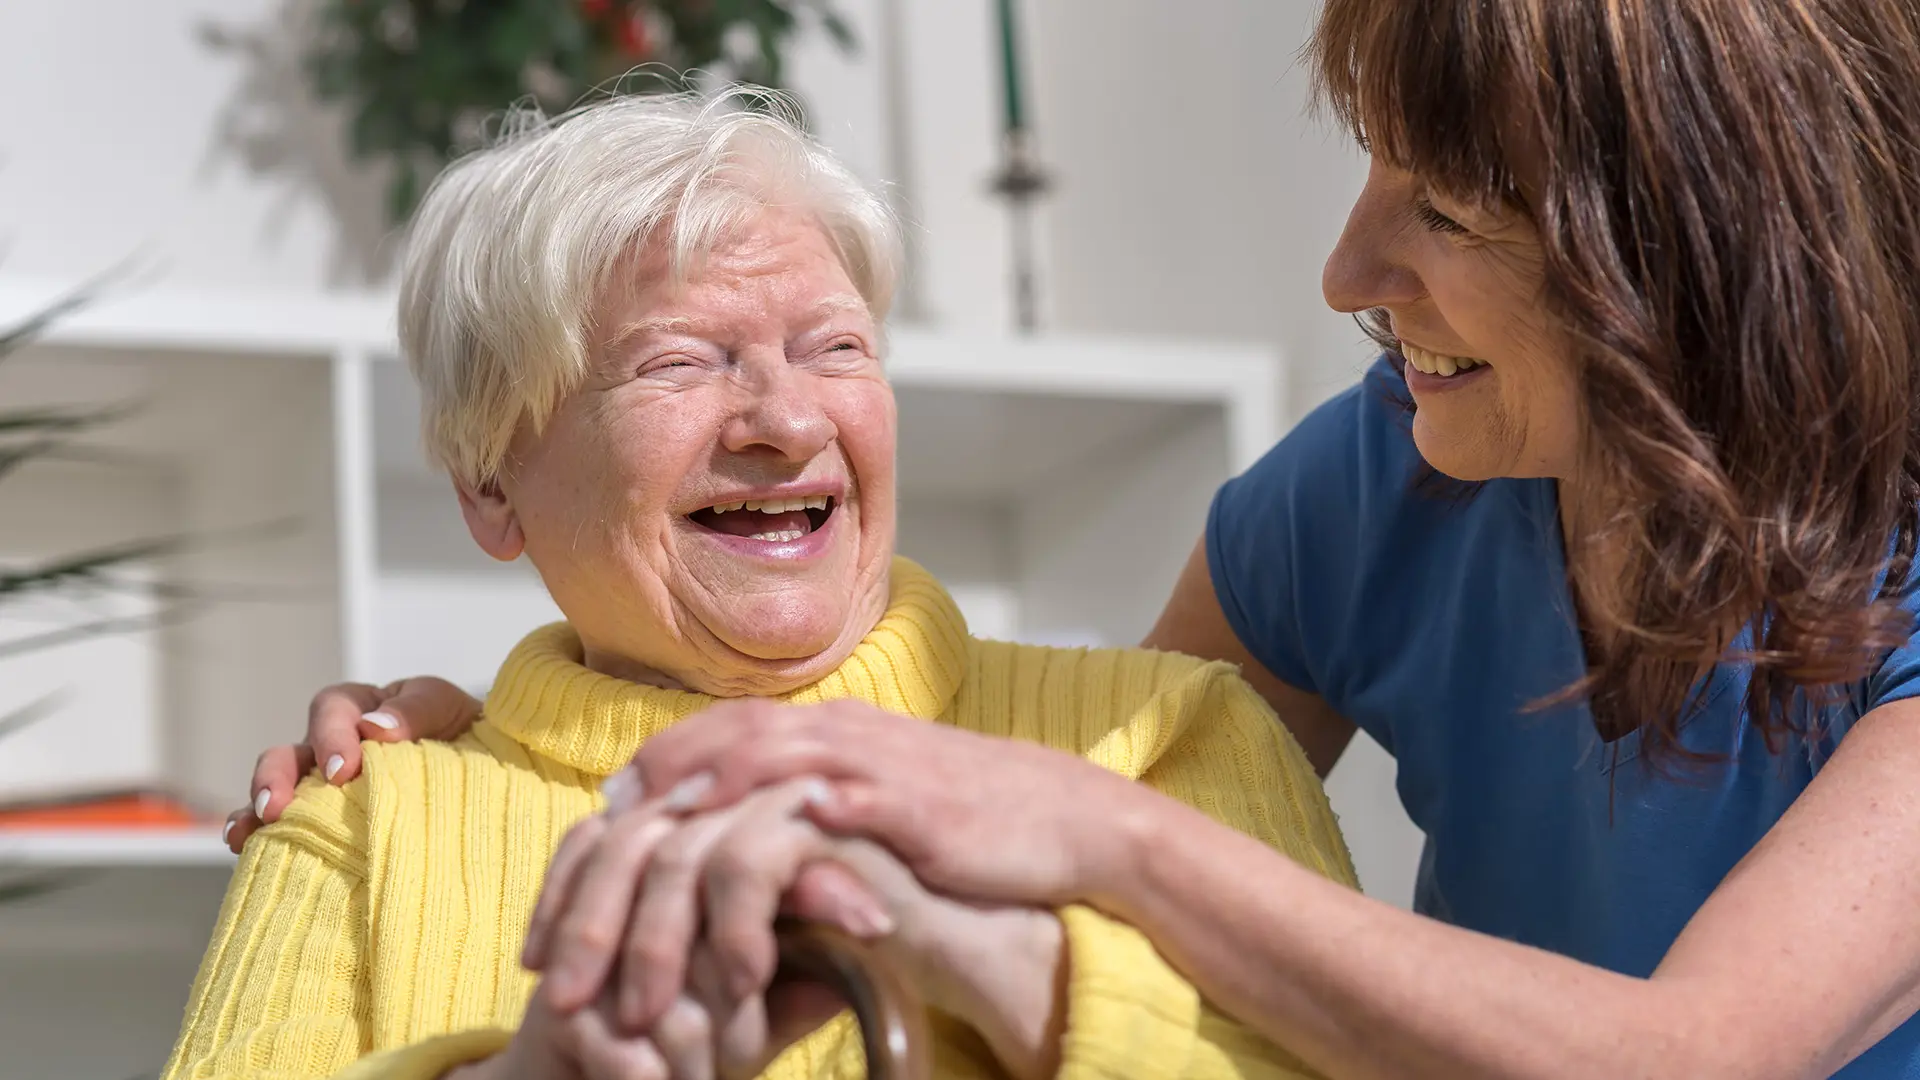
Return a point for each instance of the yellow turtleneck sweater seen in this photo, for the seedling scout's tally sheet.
(377, 927)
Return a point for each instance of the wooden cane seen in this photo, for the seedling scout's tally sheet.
(893, 1020)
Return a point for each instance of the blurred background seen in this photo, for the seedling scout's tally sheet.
(212, 499)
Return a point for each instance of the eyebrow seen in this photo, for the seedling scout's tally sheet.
(834, 305)
(680, 324)
(634, 331)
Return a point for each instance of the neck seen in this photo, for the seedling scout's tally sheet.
(626, 670)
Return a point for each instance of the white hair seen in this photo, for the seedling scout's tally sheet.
(512, 245)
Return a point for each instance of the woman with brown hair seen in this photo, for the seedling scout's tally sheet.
(1613, 550)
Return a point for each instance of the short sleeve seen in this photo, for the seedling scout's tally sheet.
(1898, 676)
(1287, 541)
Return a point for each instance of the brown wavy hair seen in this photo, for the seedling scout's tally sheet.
(1728, 192)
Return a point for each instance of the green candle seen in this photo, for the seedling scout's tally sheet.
(1016, 120)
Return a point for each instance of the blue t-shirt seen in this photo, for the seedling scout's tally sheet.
(1432, 622)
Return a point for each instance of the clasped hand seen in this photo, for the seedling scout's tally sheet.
(654, 939)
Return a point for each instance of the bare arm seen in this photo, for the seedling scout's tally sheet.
(1806, 954)
(1193, 623)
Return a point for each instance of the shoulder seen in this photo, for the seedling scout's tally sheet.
(322, 820)
(481, 768)
(1344, 459)
(1289, 541)
(402, 786)
(1123, 707)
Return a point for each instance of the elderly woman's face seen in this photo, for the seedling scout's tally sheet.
(1494, 388)
(714, 507)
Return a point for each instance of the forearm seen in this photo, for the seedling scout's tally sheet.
(1360, 989)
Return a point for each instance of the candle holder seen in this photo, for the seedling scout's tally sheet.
(1021, 182)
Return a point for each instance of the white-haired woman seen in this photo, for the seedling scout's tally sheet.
(648, 340)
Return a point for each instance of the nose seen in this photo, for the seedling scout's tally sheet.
(783, 412)
(1368, 268)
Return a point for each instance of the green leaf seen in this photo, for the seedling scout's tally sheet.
(403, 193)
(69, 568)
(32, 713)
(840, 31)
(13, 457)
(66, 635)
(36, 324)
(57, 420)
(38, 885)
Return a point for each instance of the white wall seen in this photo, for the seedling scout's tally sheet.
(1197, 193)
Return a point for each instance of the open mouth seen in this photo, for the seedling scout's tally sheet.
(773, 521)
(1441, 365)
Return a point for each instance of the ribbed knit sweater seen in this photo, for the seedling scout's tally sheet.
(377, 926)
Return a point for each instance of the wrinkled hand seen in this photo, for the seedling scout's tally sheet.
(338, 719)
(588, 1045)
(641, 905)
(971, 815)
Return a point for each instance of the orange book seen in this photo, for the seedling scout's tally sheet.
(136, 811)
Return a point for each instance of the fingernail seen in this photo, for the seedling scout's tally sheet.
(334, 765)
(226, 832)
(260, 802)
(815, 792)
(623, 791)
(382, 720)
(688, 792)
(868, 922)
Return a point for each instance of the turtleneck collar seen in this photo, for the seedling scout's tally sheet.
(548, 701)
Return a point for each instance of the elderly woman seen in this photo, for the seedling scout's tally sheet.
(648, 339)
(1613, 550)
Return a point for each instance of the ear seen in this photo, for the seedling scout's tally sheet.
(491, 520)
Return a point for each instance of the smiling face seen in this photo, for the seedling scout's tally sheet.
(1495, 387)
(714, 507)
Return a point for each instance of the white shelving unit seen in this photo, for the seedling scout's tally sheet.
(80, 849)
(1056, 485)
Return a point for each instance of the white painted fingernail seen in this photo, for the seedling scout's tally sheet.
(623, 791)
(687, 792)
(226, 832)
(815, 792)
(382, 720)
(334, 765)
(869, 922)
(260, 804)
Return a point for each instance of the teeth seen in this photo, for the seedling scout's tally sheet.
(776, 506)
(782, 537)
(1434, 363)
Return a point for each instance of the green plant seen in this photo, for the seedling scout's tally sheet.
(421, 78)
(29, 434)
(26, 435)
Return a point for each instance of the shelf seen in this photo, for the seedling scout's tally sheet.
(227, 320)
(113, 847)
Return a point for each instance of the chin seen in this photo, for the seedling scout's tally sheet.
(1452, 457)
(791, 626)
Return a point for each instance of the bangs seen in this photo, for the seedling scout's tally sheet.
(1426, 86)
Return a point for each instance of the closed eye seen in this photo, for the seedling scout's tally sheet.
(1434, 219)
